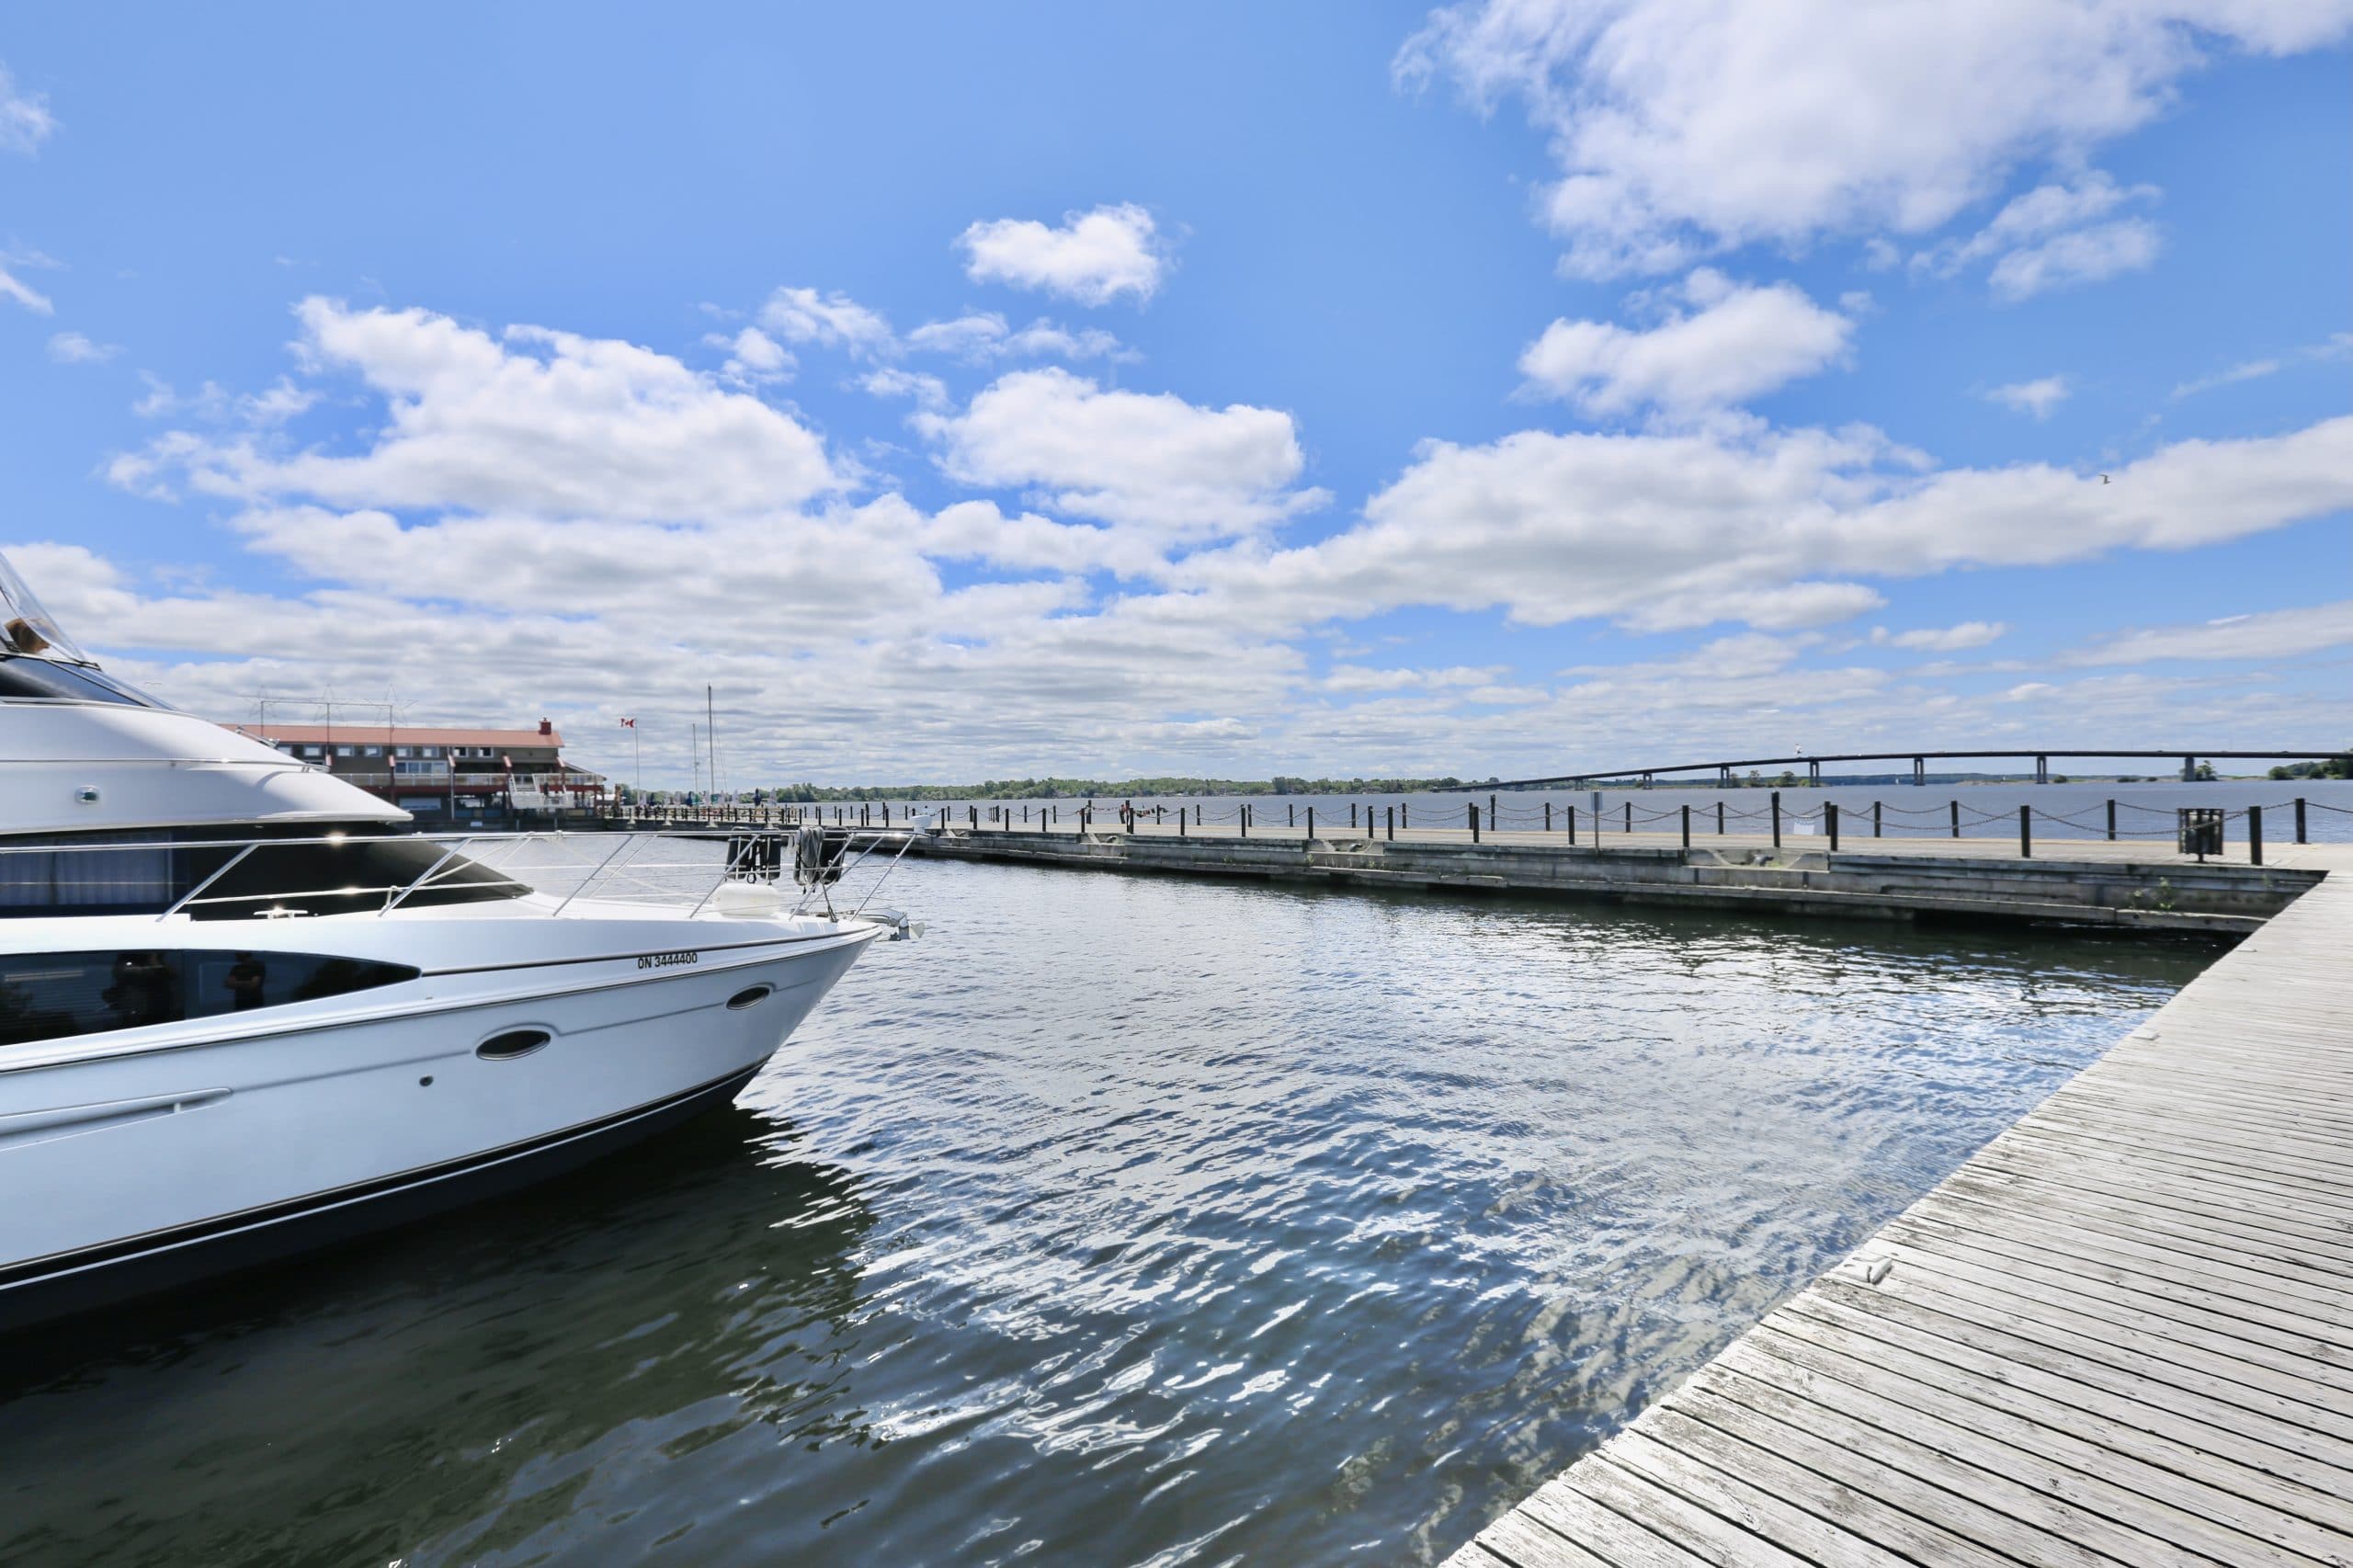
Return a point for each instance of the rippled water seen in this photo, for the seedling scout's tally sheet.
(1120, 1221)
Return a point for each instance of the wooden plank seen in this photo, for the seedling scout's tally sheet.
(1517, 1541)
(1790, 1463)
(1994, 1506)
(2247, 1435)
(1702, 1531)
(2066, 1263)
(1759, 1512)
(2130, 1431)
(1571, 1515)
(2132, 1491)
(2235, 1349)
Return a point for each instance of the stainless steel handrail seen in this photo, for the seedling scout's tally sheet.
(621, 871)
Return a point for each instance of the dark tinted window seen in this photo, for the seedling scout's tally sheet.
(74, 683)
(52, 995)
(359, 875)
(354, 877)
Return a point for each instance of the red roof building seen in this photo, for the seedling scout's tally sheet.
(441, 772)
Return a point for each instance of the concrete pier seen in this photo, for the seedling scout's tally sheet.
(2078, 881)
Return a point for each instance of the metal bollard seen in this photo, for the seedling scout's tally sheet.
(1392, 825)
(1776, 819)
(1956, 818)
(2111, 821)
(2300, 821)
(2255, 835)
(2026, 833)
(1830, 822)
(1686, 827)
(1473, 810)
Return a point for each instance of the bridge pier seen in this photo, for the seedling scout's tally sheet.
(1814, 773)
(1646, 781)
(1919, 773)
(2190, 770)
(2043, 770)
(1724, 777)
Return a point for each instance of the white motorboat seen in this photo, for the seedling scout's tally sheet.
(245, 1010)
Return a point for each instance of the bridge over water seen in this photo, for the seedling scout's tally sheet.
(1920, 760)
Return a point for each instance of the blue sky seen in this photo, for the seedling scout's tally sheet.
(1232, 390)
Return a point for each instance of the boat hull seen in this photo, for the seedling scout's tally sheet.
(143, 1169)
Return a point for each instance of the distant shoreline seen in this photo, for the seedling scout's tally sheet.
(1281, 786)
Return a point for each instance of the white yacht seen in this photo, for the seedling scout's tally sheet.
(246, 1009)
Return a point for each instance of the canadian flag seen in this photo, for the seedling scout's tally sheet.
(629, 723)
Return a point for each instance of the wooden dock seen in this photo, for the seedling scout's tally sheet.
(2121, 1334)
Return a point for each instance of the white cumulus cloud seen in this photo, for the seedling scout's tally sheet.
(25, 120)
(1942, 638)
(1771, 528)
(832, 321)
(2037, 397)
(1149, 459)
(983, 336)
(2266, 635)
(78, 348)
(1739, 342)
(1094, 258)
(547, 423)
(1686, 127)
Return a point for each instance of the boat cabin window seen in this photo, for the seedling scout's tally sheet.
(57, 995)
(42, 680)
(360, 874)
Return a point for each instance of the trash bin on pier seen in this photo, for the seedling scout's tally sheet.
(2201, 831)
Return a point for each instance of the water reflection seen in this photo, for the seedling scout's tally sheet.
(444, 1394)
(1120, 1221)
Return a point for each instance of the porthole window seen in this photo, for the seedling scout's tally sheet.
(513, 1043)
(750, 997)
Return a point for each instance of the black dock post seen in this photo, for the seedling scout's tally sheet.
(2300, 819)
(1956, 818)
(2111, 821)
(1830, 822)
(1776, 819)
(1548, 816)
(1392, 825)
(1473, 809)
(1630, 816)
(1405, 814)
(1310, 824)
(1571, 822)
(1720, 819)
(1686, 827)
(1246, 819)
(1352, 813)
(2026, 832)
(2255, 835)
(1876, 832)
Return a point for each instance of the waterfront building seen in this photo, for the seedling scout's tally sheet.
(447, 775)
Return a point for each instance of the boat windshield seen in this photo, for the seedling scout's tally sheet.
(25, 627)
(43, 680)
